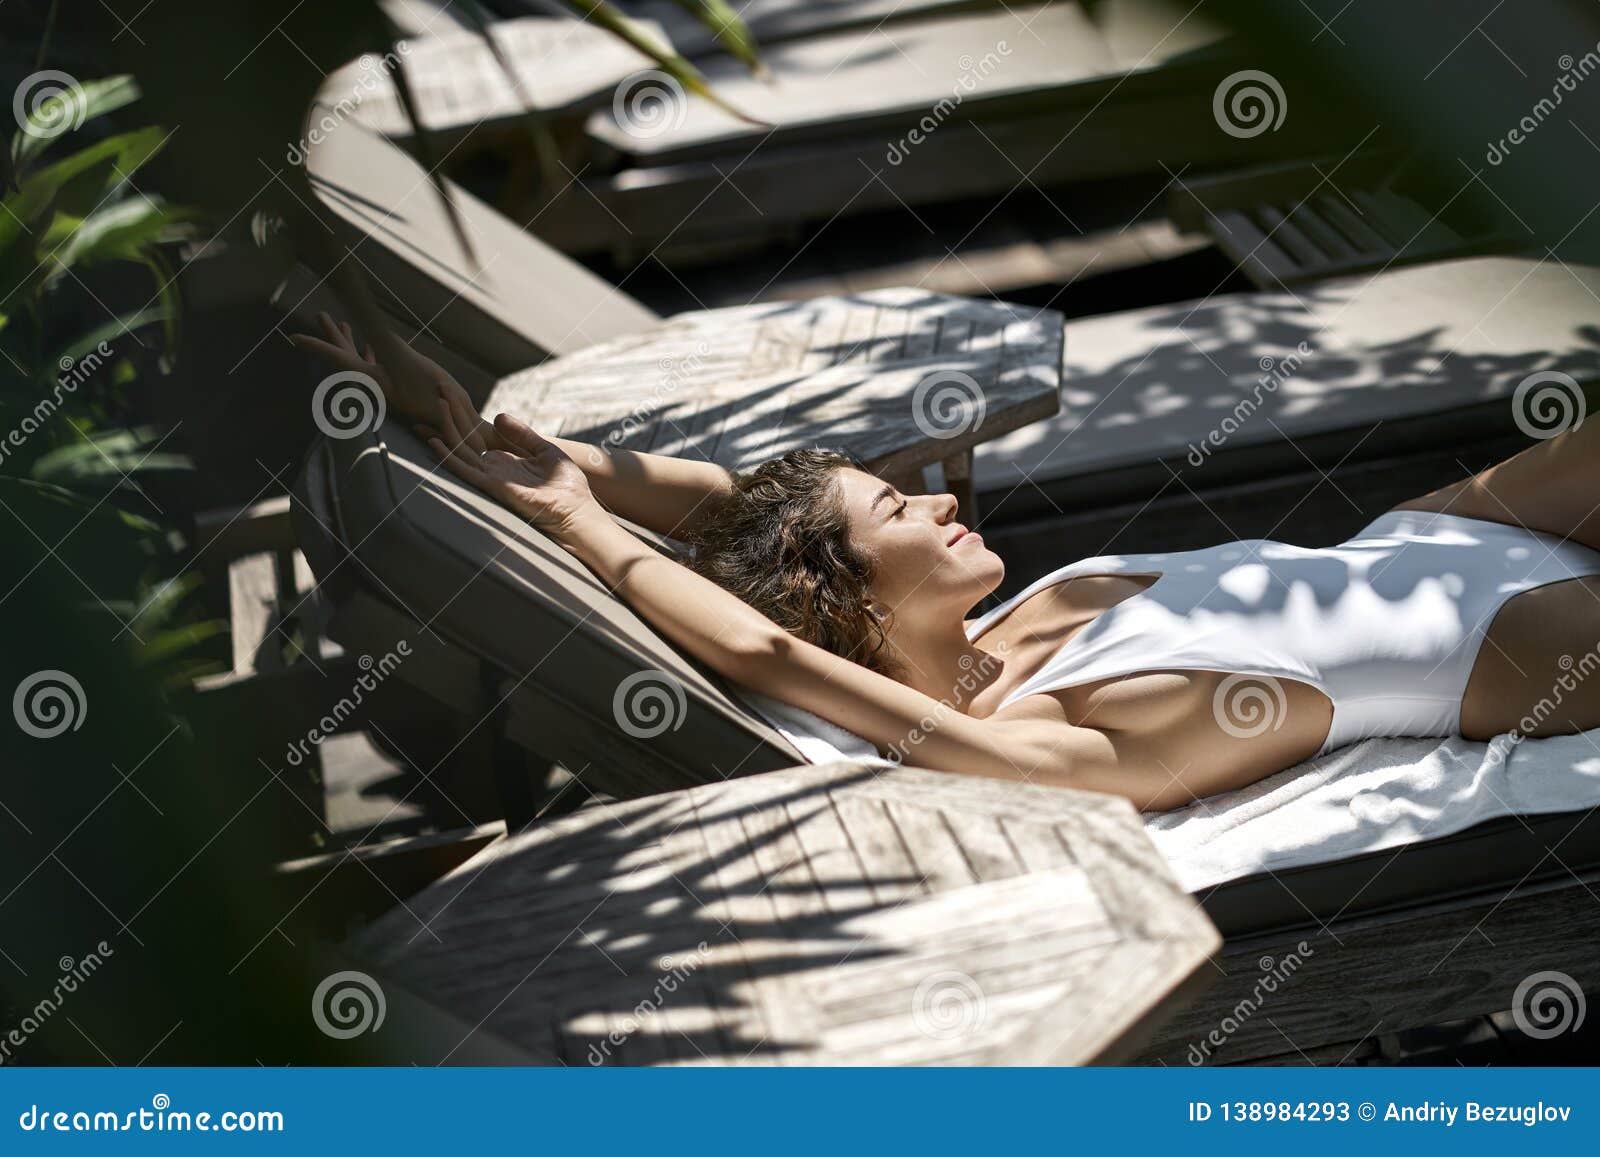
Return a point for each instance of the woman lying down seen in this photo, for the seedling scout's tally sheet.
(1472, 610)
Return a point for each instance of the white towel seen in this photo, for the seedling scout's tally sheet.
(1376, 794)
(813, 736)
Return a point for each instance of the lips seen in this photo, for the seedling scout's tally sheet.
(961, 535)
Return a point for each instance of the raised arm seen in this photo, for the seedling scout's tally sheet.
(666, 495)
(734, 639)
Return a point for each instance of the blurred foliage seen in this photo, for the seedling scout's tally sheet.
(76, 235)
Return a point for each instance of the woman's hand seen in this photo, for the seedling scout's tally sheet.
(533, 477)
(418, 388)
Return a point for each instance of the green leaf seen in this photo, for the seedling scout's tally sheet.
(729, 30)
(77, 183)
(606, 16)
(108, 332)
(73, 107)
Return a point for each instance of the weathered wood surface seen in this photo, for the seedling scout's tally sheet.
(823, 915)
(900, 378)
(985, 63)
(773, 21)
(1203, 382)
(1357, 978)
(1290, 225)
(560, 65)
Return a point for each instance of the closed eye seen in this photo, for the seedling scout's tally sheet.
(899, 510)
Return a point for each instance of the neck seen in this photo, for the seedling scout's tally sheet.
(939, 661)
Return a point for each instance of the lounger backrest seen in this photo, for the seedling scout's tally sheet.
(578, 677)
(519, 303)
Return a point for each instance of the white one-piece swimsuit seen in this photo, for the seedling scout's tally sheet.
(1387, 625)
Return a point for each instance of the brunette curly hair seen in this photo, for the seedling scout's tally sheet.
(780, 541)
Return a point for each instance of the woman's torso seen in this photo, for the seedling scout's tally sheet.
(1295, 649)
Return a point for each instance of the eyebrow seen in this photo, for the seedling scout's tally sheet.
(886, 492)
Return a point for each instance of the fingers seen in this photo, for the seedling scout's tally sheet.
(521, 435)
(461, 465)
(327, 351)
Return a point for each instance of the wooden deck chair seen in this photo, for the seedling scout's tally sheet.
(1244, 388)
(502, 626)
(845, 914)
(731, 385)
(1435, 931)
(769, 21)
(1291, 224)
(954, 106)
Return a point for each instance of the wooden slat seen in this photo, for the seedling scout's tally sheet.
(839, 371)
(817, 949)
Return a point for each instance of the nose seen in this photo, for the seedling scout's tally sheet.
(944, 508)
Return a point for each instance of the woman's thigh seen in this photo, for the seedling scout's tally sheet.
(1552, 486)
(1538, 671)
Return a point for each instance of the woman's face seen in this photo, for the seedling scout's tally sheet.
(925, 562)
